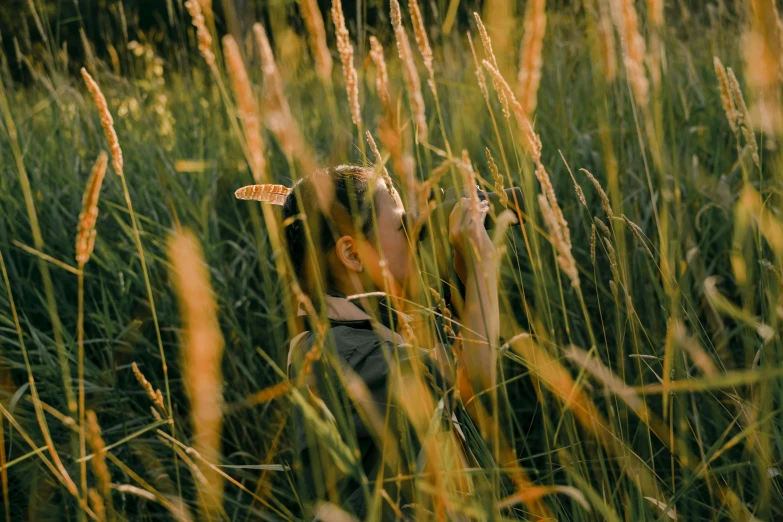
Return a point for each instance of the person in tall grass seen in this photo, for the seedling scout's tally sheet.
(359, 245)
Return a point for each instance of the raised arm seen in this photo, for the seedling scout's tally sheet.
(475, 263)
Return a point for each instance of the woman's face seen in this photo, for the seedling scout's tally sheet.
(392, 241)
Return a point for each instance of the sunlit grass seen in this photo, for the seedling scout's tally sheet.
(640, 377)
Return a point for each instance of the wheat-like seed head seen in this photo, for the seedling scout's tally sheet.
(97, 505)
(638, 234)
(247, 108)
(607, 43)
(379, 162)
(85, 235)
(725, 94)
(203, 35)
(493, 168)
(530, 60)
(106, 121)
(531, 141)
(633, 44)
(602, 227)
(316, 32)
(345, 49)
(202, 352)
(409, 72)
(487, 44)
(422, 40)
(98, 446)
(604, 198)
(154, 395)
(278, 112)
(382, 75)
(743, 116)
(479, 71)
(565, 258)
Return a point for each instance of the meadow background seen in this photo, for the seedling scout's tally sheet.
(650, 389)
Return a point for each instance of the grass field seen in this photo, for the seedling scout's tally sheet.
(648, 386)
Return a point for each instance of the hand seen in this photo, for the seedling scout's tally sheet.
(468, 236)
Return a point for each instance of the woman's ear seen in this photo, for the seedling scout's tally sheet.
(347, 252)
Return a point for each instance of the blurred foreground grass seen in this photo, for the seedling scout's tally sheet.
(654, 391)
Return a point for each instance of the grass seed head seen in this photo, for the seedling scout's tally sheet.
(420, 32)
(743, 116)
(410, 73)
(316, 34)
(107, 122)
(247, 108)
(345, 49)
(530, 60)
(85, 236)
(203, 35)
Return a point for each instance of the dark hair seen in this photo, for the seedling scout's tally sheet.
(334, 201)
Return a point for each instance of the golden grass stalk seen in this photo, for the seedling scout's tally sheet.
(203, 35)
(379, 162)
(490, 54)
(420, 32)
(316, 37)
(725, 95)
(607, 206)
(493, 168)
(85, 236)
(743, 116)
(107, 122)
(638, 234)
(633, 47)
(154, 394)
(99, 467)
(606, 42)
(530, 59)
(345, 49)
(247, 108)
(85, 242)
(97, 504)
(409, 72)
(278, 113)
(479, 71)
(381, 77)
(565, 258)
(202, 351)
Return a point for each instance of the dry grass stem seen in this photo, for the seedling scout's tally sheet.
(85, 235)
(345, 49)
(410, 73)
(530, 60)
(247, 108)
(316, 36)
(106, 121)
(154, 394)
(743, 116)
(202, 352)
(203, 35)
